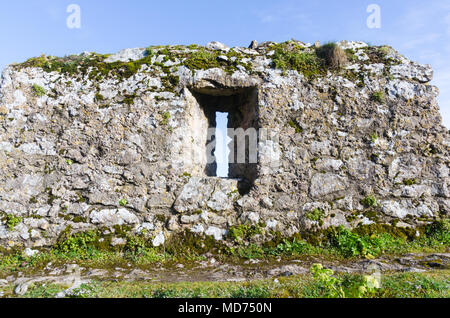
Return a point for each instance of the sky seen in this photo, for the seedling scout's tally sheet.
(420, 30)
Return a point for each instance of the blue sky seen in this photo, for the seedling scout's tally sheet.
(418, 29)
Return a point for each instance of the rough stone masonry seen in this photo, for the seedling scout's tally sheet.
(106, 141)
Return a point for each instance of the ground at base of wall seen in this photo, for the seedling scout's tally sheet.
(411, 275)
(284, 284)
(76, 264)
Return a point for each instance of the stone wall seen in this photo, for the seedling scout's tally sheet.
(122, 143)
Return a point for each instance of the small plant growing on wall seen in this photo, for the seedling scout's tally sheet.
(369, 202)
(294, 124)
(378, 97)
(333, 55)
(315, 215)
(166, 117)
(374, 137)
(409, 182)
(38, 90)
(12, 221)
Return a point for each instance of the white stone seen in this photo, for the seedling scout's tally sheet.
(252, 217)
(323, 184)
(220, 202)
(271, 224)
(376, 69)
(146, 227)
(366, 221)
(115, 241)
(217, 46)
(126, 55)
(6, 146)
(30, 149)
(112, 170)
(198, 228)
(401, 209)
(329, 164)
(19, 98)
(413, 71)
(28, 252)
(398, 88)
(267, 203)
(112, 217)
(353, 45)
(217, 233)
(188, 219)
(159, 240)
(213, 193)
(416, 191)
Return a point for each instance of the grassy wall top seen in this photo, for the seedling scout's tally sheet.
(313, 61)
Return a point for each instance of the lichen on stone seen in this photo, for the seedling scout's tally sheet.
(100, 141)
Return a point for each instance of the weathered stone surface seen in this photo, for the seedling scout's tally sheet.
(422, 73)
(323, 184)
(215, 232)
(253, 45)
(127, 55)
(403, 208)
(217, 46)
(113, 217)
(159, 239)
(201, 193)
(130, 147)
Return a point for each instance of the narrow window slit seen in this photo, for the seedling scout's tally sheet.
(224, 134)
(222, 152)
